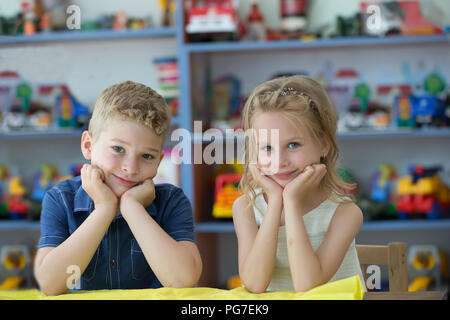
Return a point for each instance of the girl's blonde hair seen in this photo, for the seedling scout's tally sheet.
(304, 102)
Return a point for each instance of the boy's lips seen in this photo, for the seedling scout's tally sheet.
(124, 181)
(284, 175)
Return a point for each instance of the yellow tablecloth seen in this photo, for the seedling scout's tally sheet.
(345, 289)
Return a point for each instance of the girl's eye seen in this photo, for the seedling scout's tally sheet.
(147, 156)
(293, 145)
(267, 148)
(118, 149)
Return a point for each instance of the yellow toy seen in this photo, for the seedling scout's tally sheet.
(14, 267)
(427, 268)
(226, 192)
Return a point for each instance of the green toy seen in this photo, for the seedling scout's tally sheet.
(434, 84)
(24, 92)
(362, 93)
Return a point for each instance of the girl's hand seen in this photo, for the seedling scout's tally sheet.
(270, 187)
(92, 181)
(306, 182)
(143, 193)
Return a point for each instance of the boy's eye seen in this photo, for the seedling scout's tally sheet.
(118, 149)
(293, 145)
(147, 156)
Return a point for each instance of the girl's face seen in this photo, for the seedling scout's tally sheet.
(283, 149)
(127, 152)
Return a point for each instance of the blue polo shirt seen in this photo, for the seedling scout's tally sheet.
(118, 263)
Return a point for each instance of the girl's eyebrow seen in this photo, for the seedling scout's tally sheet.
(127, 143)
(293, 138)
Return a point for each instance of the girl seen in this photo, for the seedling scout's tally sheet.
(295, 223)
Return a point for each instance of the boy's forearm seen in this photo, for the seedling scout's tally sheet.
(258, 266)
(173, 264)
(77, 250)
(305, 266)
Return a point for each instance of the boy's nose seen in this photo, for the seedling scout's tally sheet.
(130, 166)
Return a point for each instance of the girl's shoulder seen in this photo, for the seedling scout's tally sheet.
(349, 210)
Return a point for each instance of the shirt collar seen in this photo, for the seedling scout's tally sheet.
(82, 202)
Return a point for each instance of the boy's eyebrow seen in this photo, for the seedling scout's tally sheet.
(126, 143)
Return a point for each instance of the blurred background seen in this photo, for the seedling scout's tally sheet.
(384, 64)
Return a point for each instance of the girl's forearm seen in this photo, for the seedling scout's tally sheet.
(174, 264)
(77, 251)
(305, 266)
(256, 271)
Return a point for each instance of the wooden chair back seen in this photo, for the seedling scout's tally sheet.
(393, 255)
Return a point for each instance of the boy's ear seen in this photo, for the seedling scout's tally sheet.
(86, 144)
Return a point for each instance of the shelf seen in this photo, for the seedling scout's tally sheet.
(395, 133)
(318, 43)
(362, 134)
(44, 134)
(88, 35)
(19, 225)
(228, 227)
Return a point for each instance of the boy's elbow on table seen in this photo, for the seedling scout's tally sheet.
(51, 290)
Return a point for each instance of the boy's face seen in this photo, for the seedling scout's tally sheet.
(127, 152)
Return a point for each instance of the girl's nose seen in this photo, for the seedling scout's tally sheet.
(283, 160)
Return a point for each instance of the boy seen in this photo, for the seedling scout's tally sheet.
(112, 227)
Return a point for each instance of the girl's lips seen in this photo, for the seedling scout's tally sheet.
(124, 181)
(284, 175)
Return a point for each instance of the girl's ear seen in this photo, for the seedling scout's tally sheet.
(325, 148)
(86, 144)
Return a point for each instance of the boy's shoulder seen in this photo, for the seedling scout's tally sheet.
(167, 189)
(69, 185)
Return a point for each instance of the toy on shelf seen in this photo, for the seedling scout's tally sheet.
(427, 268)
(17, 206)
(24, 106)
(15, 267)
(382, 182)
(293, 17)
(168, 77)
(211, 20)
(70, 112)
(422, 193)
(225, 101)
(120, 21)
(168, 11)
(12, 196)
(396, 17)
(226, 192)
(44, 179)
(256, 27)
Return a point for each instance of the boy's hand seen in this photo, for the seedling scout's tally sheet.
(270, 187)
(92, 181)
(306, 182)
(143, 193)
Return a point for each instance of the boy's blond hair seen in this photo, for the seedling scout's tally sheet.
(131, 101)
(304, 102)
